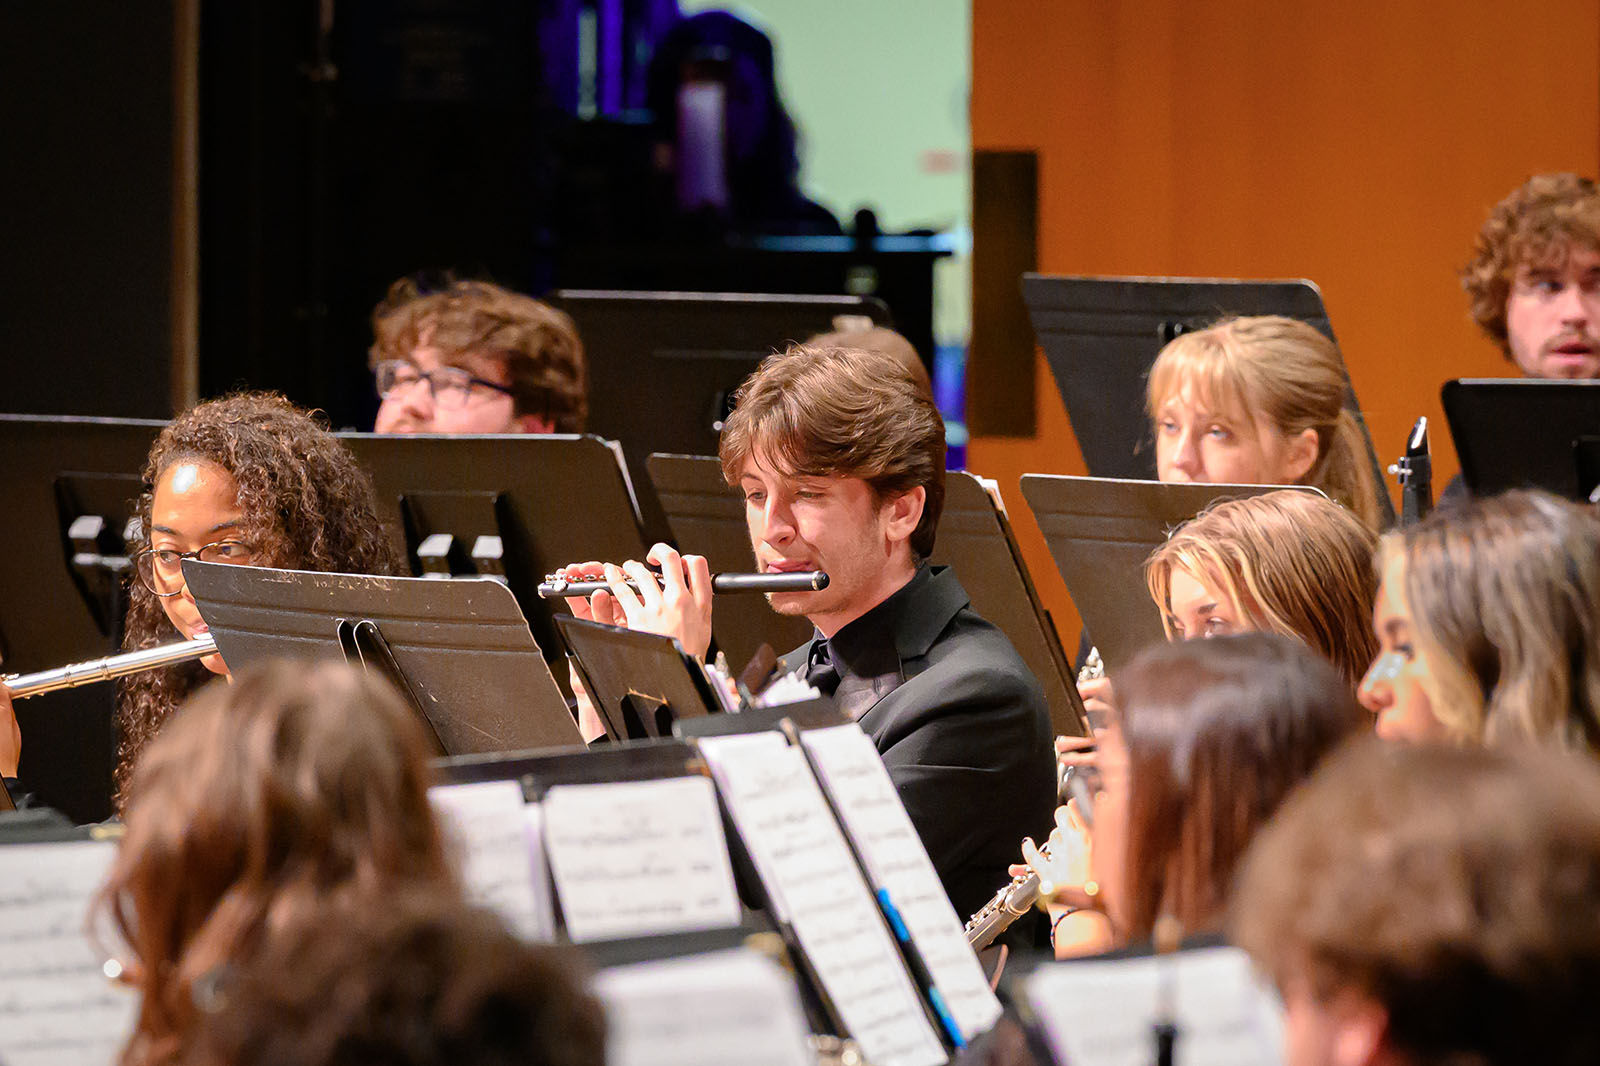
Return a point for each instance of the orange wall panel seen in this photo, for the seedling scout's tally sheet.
(1359, 145)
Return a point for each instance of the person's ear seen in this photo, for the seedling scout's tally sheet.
(1301, 456)
(903, 513)
(1361, 1029)
(533, 424)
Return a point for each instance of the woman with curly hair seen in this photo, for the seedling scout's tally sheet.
(248, 479)
(295, 791)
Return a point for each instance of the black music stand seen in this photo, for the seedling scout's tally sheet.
(1100, 531)
(1513, 434)
(1102, 335)
(515, 506)
(459, 650)
(975, 537)
(641, 683)
(663, 366)
(71, 486)
(1587, 453)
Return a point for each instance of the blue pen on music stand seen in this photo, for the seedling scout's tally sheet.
(919, 969)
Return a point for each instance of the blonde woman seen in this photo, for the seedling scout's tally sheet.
(1259, 401)
(1292, 563)
(1488, 620)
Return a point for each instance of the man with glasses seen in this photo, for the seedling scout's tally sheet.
(475, 358)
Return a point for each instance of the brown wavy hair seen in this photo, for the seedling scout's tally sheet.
(1286, 372)
(307, 506)
(539, 345)
(1294, 563)
(1505, 606)
(419, 982)
(291, 791)
(1537, 224)
(1218, 733)
(824, 412)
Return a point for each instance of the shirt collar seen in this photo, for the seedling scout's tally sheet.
(903, 626)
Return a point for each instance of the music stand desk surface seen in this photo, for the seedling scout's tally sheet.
(462, 645)
(1101, 335)
(662, 364)
(556, 499)
(57, 468)
(1516, 433)
(623, 666)
(1100, 531)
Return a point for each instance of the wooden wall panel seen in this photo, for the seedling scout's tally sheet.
(1359, 145)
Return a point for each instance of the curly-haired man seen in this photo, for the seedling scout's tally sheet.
(1534, 278)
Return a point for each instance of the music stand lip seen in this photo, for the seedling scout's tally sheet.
(463, 649)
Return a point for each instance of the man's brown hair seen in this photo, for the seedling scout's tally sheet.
(1538, 224)
(538, 344)
(1459, 888)
(826, 412)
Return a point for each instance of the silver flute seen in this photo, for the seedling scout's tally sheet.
(21, 686)
(1009, 904)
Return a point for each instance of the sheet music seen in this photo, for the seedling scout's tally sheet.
(852, 772)
(637, 858)
(723, 1008)
(501, 845)
(816, 887)
(1100, 1013)
(57, 1008)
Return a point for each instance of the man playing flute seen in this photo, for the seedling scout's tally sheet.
(839, 455)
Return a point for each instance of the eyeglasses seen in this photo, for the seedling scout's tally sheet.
(449, 385)
(161, 569)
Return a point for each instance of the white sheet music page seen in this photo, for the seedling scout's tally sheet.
(723, 1008)
(801, 855)
(638, 858)
(852, 772)
(57, 1007)
(498, 837)
(1101, 1012)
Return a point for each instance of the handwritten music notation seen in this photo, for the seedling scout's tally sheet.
(816, 886)
(57, 1007)
(637, 858)
(500, 843)
(852, 772)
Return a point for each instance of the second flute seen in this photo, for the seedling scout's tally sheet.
(554, 587)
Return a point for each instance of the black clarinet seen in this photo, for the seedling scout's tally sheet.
(1414, 471)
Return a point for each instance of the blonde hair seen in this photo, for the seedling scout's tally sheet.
(1504, 597)
(1287, 373)
(1292, 562)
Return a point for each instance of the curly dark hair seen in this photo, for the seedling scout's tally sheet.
(307, 506)
(1537, 223)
